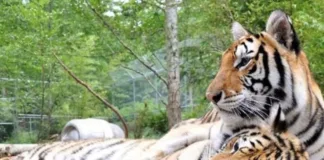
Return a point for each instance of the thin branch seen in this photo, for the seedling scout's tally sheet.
(160, 95)
(110, 28)
(108, 105)
(159, 61)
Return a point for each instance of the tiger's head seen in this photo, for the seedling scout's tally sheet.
(261, 143)
(257, 69)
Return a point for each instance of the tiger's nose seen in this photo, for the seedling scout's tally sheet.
(214, 97)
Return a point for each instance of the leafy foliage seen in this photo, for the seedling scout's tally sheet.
(150, 120)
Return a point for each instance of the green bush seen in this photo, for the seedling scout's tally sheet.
(157, 121)
(22, 137)
(195, 112)
(4, 135)
(48, 128)
(149, 121)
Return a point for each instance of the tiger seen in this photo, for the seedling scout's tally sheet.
(259, 141)
(259, 70)
(180, 136)
(191, 131)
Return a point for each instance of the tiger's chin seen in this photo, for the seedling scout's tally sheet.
(227, 113)
(231, 103)
(239, 113)
(229, 106)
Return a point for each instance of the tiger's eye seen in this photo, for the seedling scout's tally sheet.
(244, 61)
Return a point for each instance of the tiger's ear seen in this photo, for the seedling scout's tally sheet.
(280, 26)
(238, 31)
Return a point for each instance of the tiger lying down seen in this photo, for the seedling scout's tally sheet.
(264, 95)
(249, 142)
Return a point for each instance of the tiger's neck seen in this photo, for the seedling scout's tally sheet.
(304, 109)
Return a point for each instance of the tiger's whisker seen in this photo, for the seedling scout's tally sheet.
(262, 96)
(241, 108)
(259, 113)
(259, 102)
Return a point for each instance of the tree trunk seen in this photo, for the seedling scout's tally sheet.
(173, 61)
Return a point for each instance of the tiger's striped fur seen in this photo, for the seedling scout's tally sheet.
(259, 70)
(210, 117)
(252, 143)
(261, 143)
(89, 150)
(179, 137)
